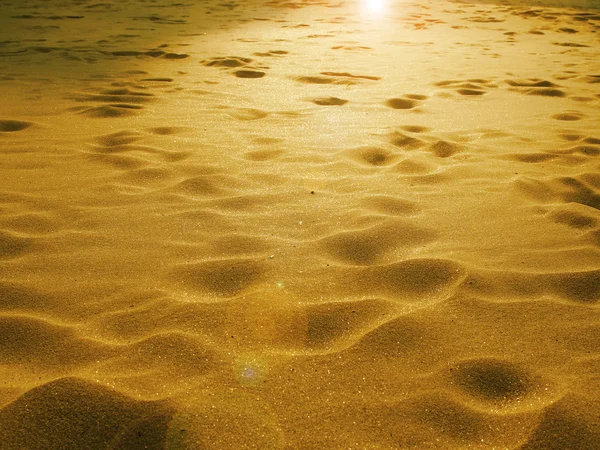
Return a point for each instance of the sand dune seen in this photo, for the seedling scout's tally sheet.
(300, 224)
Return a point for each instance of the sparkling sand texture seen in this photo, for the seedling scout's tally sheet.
(299, 224)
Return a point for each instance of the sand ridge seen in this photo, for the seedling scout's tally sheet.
(299, 224)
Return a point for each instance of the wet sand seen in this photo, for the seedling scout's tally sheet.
(299, 224)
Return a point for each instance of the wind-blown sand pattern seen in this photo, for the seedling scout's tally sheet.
(299, 224)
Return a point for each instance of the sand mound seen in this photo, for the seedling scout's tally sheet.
(77, 414)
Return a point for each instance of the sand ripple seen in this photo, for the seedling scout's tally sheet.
(299, 224)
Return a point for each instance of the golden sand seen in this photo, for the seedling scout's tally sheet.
(300, 224)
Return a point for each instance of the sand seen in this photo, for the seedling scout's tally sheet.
(299, 224)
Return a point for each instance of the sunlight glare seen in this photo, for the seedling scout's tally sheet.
(374, 6)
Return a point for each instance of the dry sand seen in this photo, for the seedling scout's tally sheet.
(299, 224)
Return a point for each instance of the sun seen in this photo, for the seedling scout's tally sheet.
(374, 6)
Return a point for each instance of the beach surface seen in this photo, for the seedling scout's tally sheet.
(299, 224)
